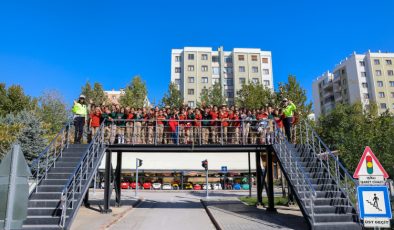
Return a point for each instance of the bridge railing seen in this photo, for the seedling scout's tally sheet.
(47, 158)
(189, 132)
(307, 136)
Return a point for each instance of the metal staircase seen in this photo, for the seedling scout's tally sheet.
(325, 191)
(61, 176)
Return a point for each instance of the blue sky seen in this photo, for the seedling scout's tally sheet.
(47, 45)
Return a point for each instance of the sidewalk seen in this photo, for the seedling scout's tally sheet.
(232, 214)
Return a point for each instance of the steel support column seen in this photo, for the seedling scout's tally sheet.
(249, 176)
(270, 191)
(107, 182)
(259, 179)
(86, 199)
(118, 172)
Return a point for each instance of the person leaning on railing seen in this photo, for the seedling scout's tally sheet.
(288, 111)
(107, 118)
(80, 112)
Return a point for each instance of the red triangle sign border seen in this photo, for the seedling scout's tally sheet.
(361, 162)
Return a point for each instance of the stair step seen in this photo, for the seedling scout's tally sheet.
(337, 226)
(43, 203)
(322, 180)
(324, 194)
(320, 187)
(333, 218)
(62, 170)
(59, 175)
(42, 220)
(66, 158)
(331, 201)
(50, 188)
(46, 211)
(326, 209)
(60, 164)
(46, 196)
(38, 227)
(54, 182)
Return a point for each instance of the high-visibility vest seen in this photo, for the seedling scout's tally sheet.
(288, 111)
(80, 109)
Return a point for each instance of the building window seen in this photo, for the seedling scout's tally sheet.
(392, 106)
(365, 85)
(190, 91)
(242, 69)
(215, 70)
(177, 69)
(242, 80)
(204, 68)
(215, 59)
(266, 71)
(215, 81)
(363, 74)
(191, 79)
(264, 60)
(343, 71)
(376, 61)
(255, 81)
(230, 94)
(229, 82)
(380, 83)
(254, 57)
(389, 62)
(378, 72)
(383, 106)
(228, 59)
(204, 80)
(266, 82)
(390, 72)
(190, 104)
(190, 67)
(190, 56)
(381, 95)
(366, 96)
(228, 70)
(255, 69)
(362, 63)
(177, 58)
(392, 94)
(241, 57)
(391, 83)
(178, 81)
(204, 56)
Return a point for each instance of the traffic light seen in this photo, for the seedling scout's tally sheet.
(139, 162)
(369, 165)
(204, 164)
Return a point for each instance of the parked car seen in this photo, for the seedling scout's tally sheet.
(125, 185)
(188, 186)
(237, 186)
(197, 187)
(216, 186)
(147, 185)
(133, 185)
(175, 186)
(156, 185)
(167, 186)
(204, 186)
(245, 186)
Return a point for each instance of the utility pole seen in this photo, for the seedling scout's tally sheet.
(204, 164)
(138, 163)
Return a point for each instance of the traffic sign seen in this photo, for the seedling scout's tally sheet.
(369, 171)
(224, 169)
(374, 206)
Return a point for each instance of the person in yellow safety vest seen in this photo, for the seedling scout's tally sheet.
(80, 112)
(288, 111)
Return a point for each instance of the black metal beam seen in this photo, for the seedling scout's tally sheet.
(270, 191)
(259, 179)
(107, 182)
(118, 172)
(249, 176)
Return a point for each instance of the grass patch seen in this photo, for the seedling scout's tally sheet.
(253, 200)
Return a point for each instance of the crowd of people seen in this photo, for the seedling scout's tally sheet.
(185, 125)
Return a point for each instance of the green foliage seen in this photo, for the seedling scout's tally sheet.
(212, 96)
(14, 100)
(53, 112)
(94, 95)
(30, 135)
(349, 129)
(294, 92)
(173, 97)
(135, 93)
(8, 135)
(254, 96)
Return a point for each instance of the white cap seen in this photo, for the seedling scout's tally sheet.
(82, 96)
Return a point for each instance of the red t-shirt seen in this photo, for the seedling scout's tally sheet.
(261, 116)
(95, 120)
(160, 119)
(224, 118)
(235, 119)
(214, 116)
(173, 124)
(198, 119)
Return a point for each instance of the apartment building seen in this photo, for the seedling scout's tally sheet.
(196, 68)
(361, 78)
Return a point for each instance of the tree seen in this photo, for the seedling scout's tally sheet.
(212, 96)
(53, 112)
(98, 95)
(8, 135)
(294, 92)
(254, 96)
(87, 91)
(173, 97)
(14, 100)
(204, 98)
(31, 133)
(135, 93)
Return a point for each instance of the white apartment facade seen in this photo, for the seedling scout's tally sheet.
(196, 68)
(361, 78)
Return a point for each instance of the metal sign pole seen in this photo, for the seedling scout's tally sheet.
(206, 186)
(136, 177)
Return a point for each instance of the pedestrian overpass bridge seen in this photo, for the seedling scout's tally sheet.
(63, 172)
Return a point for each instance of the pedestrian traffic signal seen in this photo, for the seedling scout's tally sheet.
(139, 162)
(369, 164)
(204, 164)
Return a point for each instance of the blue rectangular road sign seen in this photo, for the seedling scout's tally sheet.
(374, 202)
(224, 169)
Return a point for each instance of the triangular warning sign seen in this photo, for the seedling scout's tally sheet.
(369, 165)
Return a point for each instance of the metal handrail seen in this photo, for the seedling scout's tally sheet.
(89, 160)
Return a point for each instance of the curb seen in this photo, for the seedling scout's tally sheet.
(213, 220)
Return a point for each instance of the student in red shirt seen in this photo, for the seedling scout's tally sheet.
(160, 126)
(215, 125)
(173, 127)
(197, 126)
(95, 121)
(223, 116)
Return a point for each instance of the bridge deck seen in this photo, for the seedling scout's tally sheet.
(182, 148)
